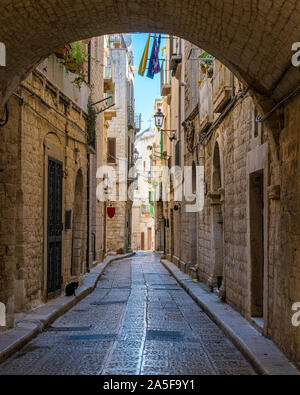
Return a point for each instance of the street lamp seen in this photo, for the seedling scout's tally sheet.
(159, 119)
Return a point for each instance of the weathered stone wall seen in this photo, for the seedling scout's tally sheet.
(225, 227)
(97, 93)
(284, 238)
(41, 124)
(9, 179)
(118, 227)
(242, 154)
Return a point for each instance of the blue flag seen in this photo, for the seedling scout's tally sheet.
(154, 65)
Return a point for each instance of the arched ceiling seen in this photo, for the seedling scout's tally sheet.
(252, 37)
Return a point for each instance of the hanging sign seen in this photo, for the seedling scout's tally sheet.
(111, 211)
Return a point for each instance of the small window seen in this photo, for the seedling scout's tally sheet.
(256, 124)
(177, 154)
(111, 150)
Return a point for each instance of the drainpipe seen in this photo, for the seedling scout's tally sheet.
(88, 214)
(161, 144)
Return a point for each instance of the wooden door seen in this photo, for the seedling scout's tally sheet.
(142, 241)
(149, 239)
(54, 253)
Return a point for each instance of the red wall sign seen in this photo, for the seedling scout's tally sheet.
(111, 211)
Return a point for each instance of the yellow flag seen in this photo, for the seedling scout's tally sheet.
(143, 63)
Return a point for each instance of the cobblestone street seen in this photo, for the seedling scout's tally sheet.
(137, 321)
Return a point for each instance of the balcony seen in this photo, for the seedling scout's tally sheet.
(109, 108)
(116, 41)
(58, 76)
(147, 210)
(175, 53)
(205, 110)
(138, 122)
(108, 76)
(165, 81)
(130, 117)
(222, 87)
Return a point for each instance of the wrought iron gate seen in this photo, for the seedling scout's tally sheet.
(55, 227)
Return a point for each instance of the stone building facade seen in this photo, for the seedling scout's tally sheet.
(143, 229)
(120, 145)
(243, 244)
(47, 192)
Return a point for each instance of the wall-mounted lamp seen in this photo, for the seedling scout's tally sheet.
(159, 121)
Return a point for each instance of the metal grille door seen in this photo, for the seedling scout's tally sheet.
(54, 226)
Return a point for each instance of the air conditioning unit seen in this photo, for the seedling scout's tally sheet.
(222, 87)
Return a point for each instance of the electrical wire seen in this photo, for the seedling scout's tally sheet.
(50, 123)
(4, 121)
(278, 105)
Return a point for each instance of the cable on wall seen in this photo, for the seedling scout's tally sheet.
(4, 121)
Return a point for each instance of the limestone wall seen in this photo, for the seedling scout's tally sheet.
(41, 125)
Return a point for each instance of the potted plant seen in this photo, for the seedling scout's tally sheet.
(203, 68)
(76, 58)
(210, 72)
(63, 52)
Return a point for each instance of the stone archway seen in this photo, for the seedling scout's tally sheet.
(217, 230)
(253, 40)
(78, 227)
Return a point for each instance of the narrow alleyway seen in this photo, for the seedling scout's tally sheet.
(137, 321)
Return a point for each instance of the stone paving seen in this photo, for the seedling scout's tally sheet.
(137, 321)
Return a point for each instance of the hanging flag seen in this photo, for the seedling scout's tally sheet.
(143, 63)
(154, 66)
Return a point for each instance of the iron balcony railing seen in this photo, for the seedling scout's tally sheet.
(138, 122)
(131, 120)
(116, 41)
(165, 79)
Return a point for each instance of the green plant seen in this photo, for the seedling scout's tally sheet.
(75, 62)
(206, 58)
(155, 184)
(78, 54)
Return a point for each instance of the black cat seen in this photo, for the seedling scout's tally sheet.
(70, 288)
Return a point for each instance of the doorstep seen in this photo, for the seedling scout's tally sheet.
(28, 325)
(261, 352)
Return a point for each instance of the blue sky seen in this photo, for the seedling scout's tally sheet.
(146, 90)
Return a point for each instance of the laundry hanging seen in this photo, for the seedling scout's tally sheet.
(154, 66)
(143, 63)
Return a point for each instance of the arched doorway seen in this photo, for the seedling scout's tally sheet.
(217, 223)
(78, 227)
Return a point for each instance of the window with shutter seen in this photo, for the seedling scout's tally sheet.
(111, 150)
